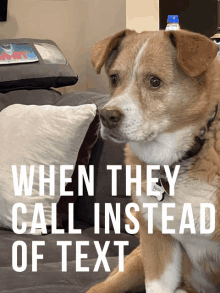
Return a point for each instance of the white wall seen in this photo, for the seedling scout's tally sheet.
(142, 15)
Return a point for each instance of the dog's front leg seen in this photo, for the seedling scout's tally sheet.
(130, 280)
(162, 258)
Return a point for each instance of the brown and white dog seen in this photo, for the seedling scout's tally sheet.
(165, 90)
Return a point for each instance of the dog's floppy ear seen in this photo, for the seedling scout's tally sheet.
(103, 48)
(195, 52)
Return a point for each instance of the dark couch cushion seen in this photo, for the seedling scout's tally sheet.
(29, 97)
(112, 154)
(80, 98)
(52, 252)
(49, 277)
(50, 97)
(45, 73)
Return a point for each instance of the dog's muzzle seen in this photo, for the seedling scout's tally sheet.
(111, 118)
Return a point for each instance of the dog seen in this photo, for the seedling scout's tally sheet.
(165, 91)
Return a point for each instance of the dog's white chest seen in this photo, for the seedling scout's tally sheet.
(187, 202)
(197, 245)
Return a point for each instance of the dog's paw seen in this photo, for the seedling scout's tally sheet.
(180, 291)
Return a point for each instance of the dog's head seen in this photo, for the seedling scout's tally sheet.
(158, 90)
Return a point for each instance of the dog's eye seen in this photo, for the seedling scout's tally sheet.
(114, 78)
(155, 81)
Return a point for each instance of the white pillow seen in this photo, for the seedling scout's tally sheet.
(38, 135)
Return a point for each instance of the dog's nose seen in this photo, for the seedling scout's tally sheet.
(110, 117)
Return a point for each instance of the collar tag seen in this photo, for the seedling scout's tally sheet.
(157, 187)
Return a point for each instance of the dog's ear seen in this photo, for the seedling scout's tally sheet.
(195, 52)
(102, 49)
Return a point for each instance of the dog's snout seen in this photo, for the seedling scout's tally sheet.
(111, 117)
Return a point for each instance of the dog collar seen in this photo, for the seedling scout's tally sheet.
(162, 186)
(199, 140)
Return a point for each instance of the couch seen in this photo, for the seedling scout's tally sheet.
(49, 276)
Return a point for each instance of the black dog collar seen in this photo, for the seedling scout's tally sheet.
(199, 140)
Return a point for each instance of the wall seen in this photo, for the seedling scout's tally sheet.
(76, 26)
(63, 21)
(142, 15)
(104, 18)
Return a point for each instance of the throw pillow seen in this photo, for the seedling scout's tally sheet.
(38, 135)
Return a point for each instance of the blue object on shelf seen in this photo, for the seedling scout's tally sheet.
(172, 19)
